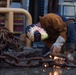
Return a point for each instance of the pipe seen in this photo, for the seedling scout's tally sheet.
(10, 21)
(8, 3)
(22, 11)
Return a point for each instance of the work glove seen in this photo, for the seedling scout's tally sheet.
(56, 47)
(70, 56)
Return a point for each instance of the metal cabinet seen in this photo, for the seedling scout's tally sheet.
(67, 8)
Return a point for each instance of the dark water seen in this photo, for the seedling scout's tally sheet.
(38, 71)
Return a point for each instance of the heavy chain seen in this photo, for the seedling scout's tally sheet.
(9, 42)
(15, 61)
(35, 61)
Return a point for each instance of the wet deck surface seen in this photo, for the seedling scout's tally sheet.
(37, 71)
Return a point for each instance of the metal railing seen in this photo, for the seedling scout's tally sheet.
(10, 12)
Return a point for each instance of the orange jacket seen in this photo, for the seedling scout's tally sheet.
(54, 26)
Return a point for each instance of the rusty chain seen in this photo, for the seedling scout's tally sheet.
(35, 61)
(10, 42)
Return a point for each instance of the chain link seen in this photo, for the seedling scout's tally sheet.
(9, 42)
(34, 61)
